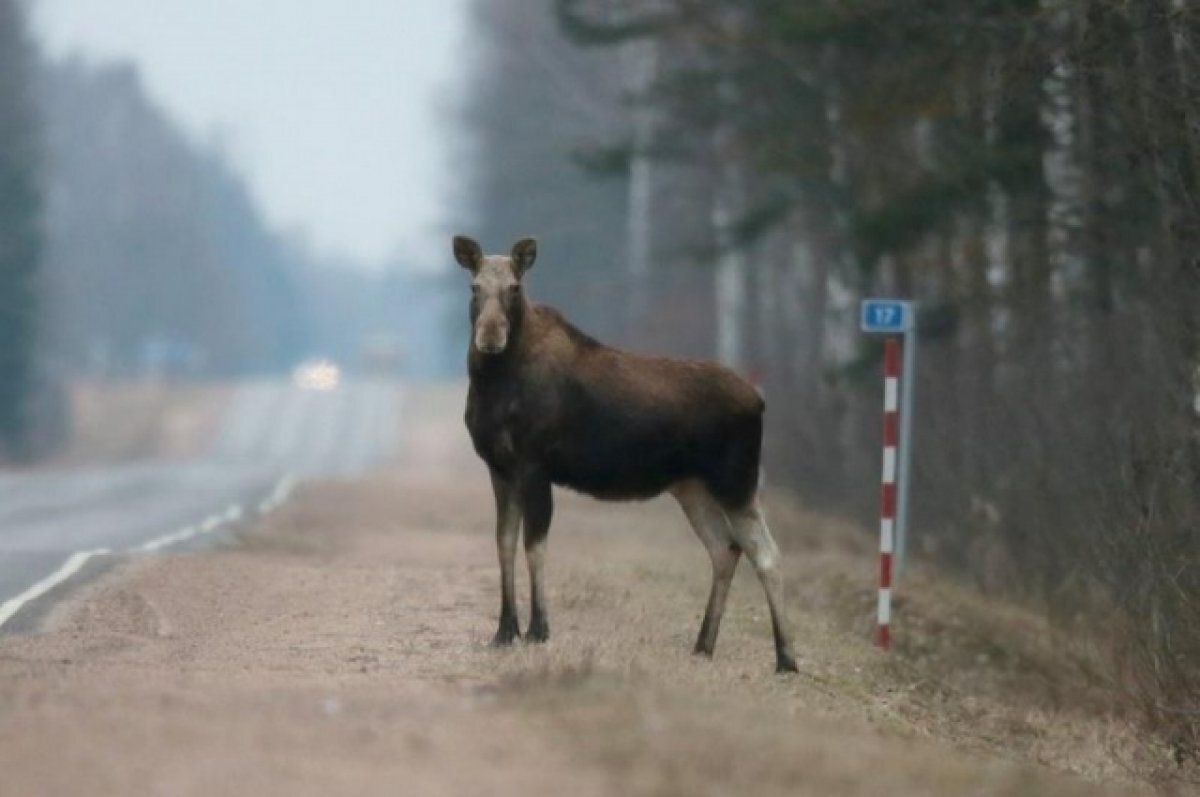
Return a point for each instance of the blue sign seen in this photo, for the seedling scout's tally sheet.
(887, 316)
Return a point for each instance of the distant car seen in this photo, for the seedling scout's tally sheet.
(317, 375)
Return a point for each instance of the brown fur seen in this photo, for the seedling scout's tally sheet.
(611, 423)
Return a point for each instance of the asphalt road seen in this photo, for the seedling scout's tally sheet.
(273, 435)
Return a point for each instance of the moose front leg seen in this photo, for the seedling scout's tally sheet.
(537, 504)
(508, 526)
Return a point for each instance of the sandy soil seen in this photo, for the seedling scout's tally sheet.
(340, 648)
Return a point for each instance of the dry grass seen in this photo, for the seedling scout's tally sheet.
(987, 679)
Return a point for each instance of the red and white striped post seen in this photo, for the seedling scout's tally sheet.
(887, 494)
(895, 320)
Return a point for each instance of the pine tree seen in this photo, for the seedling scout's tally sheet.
(20, 228)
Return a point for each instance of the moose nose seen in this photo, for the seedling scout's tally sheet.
(492, 347)
(492, 340)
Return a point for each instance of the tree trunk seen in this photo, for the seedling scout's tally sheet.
(640, 63)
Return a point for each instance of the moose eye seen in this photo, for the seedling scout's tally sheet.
(474, 289)
(514, 290)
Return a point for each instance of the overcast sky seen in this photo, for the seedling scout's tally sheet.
(334, 110)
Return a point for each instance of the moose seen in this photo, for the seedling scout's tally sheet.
(549, 405)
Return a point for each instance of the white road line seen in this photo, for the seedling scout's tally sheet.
(280, 494)
(283, 442)
(70, 567)
(170, 539)
(294, 414)
(232, 514)
(206, 526)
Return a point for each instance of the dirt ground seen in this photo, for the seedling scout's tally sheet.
(340, 648)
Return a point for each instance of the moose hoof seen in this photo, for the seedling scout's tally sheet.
(504, 639)
(538, 631)
(505, 635)
(786, 663)
(703, 651)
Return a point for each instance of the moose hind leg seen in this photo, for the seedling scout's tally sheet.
(709, 523)
(750, 531)
(508, 526)
(538, 505)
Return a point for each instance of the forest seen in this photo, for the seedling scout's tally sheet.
(730, 178)
(173, 270)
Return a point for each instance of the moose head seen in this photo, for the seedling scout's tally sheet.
(498, 303)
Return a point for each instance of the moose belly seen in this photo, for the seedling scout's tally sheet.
(625, 465)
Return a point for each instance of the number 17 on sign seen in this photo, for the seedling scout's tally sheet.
(885, 316)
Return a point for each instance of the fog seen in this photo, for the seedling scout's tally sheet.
(335, 113)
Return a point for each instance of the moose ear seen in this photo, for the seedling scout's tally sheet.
(467, 252)
(524, 252)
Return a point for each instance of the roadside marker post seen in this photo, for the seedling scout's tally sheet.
(896, 320)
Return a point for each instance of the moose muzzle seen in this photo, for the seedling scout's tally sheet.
(491, 330)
